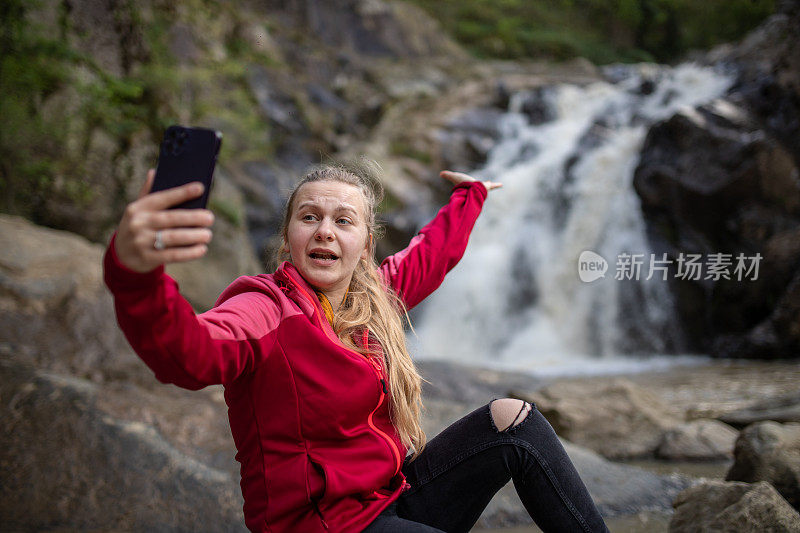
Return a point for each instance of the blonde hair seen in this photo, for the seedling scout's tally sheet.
(372, 305)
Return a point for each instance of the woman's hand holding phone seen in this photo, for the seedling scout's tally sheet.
(151, 234)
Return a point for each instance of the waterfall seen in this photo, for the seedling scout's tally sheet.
(515, 301)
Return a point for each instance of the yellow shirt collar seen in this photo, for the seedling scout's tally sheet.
(326, 305)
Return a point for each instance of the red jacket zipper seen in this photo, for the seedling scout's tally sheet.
(317, 510)
(383, 389)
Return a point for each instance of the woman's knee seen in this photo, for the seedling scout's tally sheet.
(508, 412)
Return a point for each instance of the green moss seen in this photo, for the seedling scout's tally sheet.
(601, 30)
(389, 202)
(44, 142)
(405, 149)
(226, 210)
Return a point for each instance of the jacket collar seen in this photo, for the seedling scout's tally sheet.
(300, 291)
(288, 274)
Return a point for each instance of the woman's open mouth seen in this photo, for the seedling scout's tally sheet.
(323, 258)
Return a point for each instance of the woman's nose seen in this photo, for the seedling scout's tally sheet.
(324, 232)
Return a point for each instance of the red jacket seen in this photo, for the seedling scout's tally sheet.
(310, 418)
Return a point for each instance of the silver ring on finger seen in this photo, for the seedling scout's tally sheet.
(159, 242)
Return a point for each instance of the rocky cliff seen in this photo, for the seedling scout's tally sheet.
(725, 178)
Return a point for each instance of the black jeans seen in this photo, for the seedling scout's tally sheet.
(460, 470)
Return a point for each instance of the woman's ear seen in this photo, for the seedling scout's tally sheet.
(367, 248)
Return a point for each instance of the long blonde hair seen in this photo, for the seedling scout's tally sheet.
(372, 305)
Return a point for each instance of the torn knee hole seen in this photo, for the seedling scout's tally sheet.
(508, 412)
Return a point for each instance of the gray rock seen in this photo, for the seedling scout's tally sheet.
(617, 419)
(724, 178)
(768, 451)
(624, 490)
(731, 187)
(466, 140)
(702, 439)
(740, 507)
(54, 309)
(276, 106)
(374, 27)
(65, 463)
(783, 409)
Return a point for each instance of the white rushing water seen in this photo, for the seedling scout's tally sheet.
(516, 300)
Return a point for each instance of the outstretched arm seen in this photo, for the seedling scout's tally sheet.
(180, 347)
(420, 268)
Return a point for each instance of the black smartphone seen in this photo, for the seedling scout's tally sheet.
(186, 155)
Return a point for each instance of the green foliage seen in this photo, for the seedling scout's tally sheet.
(226, 210)
(389, 202)
(54, 100)
(32, 67)
(406, 149)
(602, 31)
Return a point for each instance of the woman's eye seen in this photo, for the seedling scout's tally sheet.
(308, 217)
(343, 221)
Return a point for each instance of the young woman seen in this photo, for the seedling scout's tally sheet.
(323, 397)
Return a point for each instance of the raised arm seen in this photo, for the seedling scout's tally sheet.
(420, 268)
(189, 350)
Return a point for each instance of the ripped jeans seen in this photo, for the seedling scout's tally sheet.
(461, 469)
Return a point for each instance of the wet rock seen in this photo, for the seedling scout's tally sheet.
(782, 409)
(466, 140)
(537, 105)
(711, 182)
(768, 451)
(741, 507)
(65, 462)
(265, 186)
(698, 440)
(725, 178)
(616, 419)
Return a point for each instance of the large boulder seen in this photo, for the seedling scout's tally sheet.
(711, 180)
(55, 312)
(723, 178)
(66, 463)
(617, 419)
(768, 451)
(697, 440)
(740, 507)
(769, 72)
